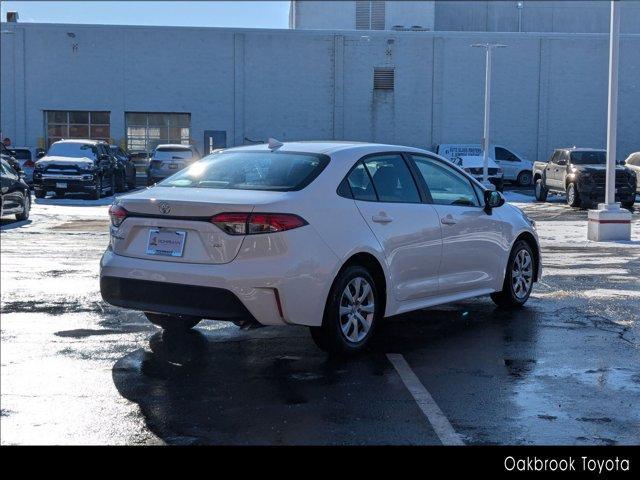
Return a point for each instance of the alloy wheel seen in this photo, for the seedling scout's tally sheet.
(357, 310)
(522, 274)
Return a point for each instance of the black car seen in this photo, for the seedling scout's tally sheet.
(11, 160)
(580, 174)
(125, 169)
(15, 197)
(76, 166)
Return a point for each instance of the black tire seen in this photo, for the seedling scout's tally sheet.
(97, 193)
(121, 184)
(330, 336)
(172, 322)
(508, 297)
(628, 204)
(40, 193)
(131, 184)
(524, 179)
(26, 208)
(541, 191)
(573, 196)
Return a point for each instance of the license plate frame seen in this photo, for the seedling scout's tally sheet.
(171, 242)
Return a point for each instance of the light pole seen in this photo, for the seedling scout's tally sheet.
(612, 111)
(487, 108)
(520, 6)
(609, 221)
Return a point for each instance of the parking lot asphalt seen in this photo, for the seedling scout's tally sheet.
(563, 370)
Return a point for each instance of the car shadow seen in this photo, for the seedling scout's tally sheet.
(273, 386)
(7, 224)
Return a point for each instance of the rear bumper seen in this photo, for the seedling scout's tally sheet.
(277, 282)
(173, 298)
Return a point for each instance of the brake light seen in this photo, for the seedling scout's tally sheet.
(117, 215)
(256, 223)
(29, 163)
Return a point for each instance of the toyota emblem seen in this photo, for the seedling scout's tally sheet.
(165, 208)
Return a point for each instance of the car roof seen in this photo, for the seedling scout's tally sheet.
(581, 149)
(174, 145)
(327, 147)
(83, 141)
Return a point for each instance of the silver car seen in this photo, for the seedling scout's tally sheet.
(169, 159)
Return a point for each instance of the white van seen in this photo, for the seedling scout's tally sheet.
(515, 167)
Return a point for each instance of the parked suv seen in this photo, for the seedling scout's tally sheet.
(334, 236)
(580, 174)
(15, 196)
(169, 159)
(125, 169)
(75, 166)
(27, 157)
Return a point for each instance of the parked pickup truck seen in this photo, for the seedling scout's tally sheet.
(580, 174)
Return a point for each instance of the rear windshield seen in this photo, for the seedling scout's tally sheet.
(22, 154)
(276, 171)
(172, 153)
(588, 158)
(73, 150)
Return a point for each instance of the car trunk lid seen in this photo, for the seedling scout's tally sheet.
(184, 214)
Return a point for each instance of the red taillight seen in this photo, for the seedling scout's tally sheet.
(255, 223)
(231, 223)
(117, 214)
(29, 164)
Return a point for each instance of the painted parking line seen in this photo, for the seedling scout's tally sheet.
(423, 398)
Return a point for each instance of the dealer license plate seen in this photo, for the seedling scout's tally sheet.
(169, 243)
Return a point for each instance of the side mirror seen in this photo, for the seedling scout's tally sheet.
(40, 154)
(493, 199)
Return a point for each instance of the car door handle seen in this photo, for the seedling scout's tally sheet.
(448, 220)
(381, 219)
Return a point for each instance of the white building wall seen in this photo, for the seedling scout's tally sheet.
(561, 16)
(549, 90)
(323, 15)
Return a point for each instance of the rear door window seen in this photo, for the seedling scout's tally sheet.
(392, 179)
(360, 184)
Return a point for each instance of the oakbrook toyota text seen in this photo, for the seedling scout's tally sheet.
(569, 464)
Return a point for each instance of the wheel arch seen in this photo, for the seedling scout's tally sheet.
(535, 249)
(374, 266)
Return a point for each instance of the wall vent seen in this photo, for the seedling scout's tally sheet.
(370, 15)
(383, 78)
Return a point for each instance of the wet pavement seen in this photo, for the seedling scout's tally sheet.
(563, 370)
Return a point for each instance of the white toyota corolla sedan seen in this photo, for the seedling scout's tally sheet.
(330, 235)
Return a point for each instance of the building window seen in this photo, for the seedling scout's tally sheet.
(370, 15)
(383, 78)
(145, 131)
(77, 124)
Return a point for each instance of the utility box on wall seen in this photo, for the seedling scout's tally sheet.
(214, 139)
